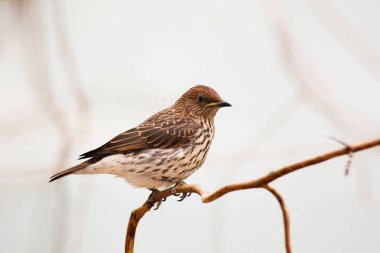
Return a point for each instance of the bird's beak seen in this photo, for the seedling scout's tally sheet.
(223, 104)
(219, 104)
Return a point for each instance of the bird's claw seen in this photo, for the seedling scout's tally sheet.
(175, 187)
(182, 195)
(158, 204)
(151, 201)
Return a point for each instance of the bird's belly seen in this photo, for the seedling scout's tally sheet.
(153, 168)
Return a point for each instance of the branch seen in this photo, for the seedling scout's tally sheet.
(261, 182)
(285, 215)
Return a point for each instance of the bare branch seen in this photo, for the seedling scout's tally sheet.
(261, 182)
(286, 170)
(134, 219)
(285, 216)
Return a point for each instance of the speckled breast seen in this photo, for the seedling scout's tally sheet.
(197, 151)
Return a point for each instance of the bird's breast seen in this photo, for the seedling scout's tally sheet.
(198, 150)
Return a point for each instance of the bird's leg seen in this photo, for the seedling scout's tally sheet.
(151, 199)
(177, 183)
(174, 190)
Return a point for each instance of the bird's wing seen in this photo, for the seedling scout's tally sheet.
(156, 132)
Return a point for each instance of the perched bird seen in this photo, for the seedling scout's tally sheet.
(163, 150)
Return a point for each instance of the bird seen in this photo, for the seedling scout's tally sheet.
(162, 151)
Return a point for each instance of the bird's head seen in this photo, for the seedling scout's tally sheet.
(200, 101)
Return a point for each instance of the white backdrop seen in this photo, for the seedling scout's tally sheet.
(73, 74)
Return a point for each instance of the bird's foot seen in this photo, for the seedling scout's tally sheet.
(182, 195)
(177, 184)
(151, 201)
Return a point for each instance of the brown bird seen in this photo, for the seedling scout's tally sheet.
(163, 150)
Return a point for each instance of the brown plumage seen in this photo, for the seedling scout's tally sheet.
(163, 150)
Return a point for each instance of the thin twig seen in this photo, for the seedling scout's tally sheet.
(350, 155)
(261, 182)
(285, 216)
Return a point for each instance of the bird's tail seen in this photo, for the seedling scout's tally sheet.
(69, 171)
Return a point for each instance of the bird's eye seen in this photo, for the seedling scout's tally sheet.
(202, 100)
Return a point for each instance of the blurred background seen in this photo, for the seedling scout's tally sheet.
(74, 74)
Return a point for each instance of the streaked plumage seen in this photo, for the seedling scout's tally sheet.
(163, 150)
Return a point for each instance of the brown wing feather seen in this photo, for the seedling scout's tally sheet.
(157, 132)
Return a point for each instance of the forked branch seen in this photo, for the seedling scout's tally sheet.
(261, 182)
(285, 216)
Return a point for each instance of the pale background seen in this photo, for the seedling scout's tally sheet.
(73, 74)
